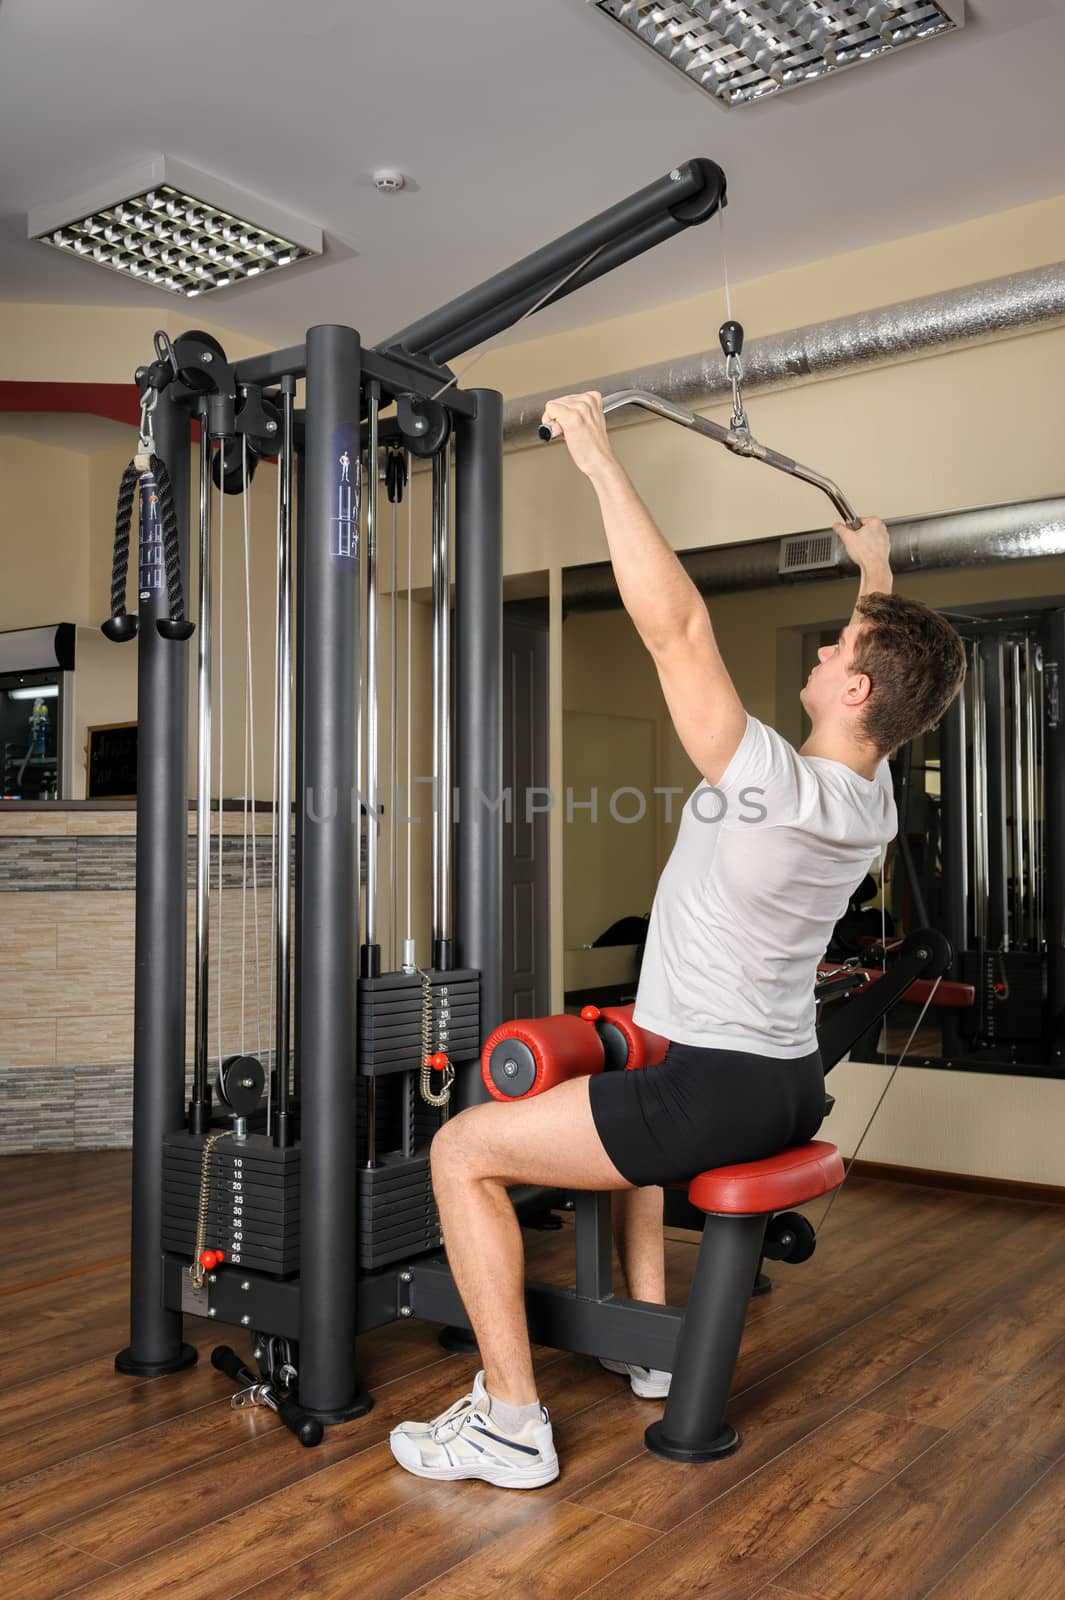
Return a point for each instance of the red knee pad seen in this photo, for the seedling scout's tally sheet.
(626, 1043)
(524, 1058)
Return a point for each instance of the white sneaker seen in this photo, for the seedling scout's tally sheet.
(463, 1442)
(647, 1382)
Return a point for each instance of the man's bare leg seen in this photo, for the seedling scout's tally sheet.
(549, 1140)
(640, 1243)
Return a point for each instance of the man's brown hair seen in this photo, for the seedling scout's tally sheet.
(915, 662)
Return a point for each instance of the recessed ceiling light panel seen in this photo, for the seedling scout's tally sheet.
(177, 229)
(743, 50)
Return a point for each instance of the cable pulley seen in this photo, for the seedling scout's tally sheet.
(424, 424)
(790, 1237)
(241, 1080)
(252, 432)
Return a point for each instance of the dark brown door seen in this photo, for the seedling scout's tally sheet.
(526, 886)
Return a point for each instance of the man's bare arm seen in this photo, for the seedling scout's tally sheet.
(655, 589)
(869, 547)
(666, 608)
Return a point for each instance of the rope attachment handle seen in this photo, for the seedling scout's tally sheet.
(122, 625)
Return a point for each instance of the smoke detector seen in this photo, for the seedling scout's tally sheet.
(388, 181)
(740, 51)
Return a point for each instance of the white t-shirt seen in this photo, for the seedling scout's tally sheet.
(763, 868)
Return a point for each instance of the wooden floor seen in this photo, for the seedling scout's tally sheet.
(901, 1399)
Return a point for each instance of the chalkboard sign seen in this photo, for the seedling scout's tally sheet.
(112, 762)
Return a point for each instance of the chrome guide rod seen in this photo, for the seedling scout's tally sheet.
(370, 799)
(437, 675)
(1021, 856)
(1031, 857)
(441, 708)
(446, 842)
(203, 774)
(282, 1027)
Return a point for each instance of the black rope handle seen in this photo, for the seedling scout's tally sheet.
(121, 626)
(176, 626)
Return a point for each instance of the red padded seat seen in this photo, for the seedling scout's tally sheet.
(757, 1187)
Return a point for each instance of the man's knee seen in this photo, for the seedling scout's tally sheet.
(449, 1150)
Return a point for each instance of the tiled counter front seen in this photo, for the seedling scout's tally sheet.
(66, 970)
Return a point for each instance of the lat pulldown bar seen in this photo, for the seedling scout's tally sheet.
(739, 441)
(737, 437)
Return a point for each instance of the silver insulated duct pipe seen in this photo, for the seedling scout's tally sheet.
(979, 313)
(973, 538)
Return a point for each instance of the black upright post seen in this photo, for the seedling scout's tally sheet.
(300, 812)
(997, 898)
(479, 705)
(328, 896)
(155, 1339)
(955, 850)
(1053, 640)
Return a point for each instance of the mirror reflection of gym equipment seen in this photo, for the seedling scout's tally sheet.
(980, 849)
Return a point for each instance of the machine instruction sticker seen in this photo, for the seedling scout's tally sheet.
(151, 538)
(348, 483)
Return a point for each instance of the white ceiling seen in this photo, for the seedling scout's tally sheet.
(516, 119)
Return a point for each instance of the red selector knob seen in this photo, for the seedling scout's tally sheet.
(208, 1260)
(590, 1013)
(438, 1062)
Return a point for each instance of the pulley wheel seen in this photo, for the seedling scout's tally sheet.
(241, 1080)
(790, 1237)
(424, 424)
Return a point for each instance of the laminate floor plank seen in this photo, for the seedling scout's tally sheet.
(771, 1417)
(1022, 1557)
(43, 1499)
(967, 1265)
(347, 1483)
(970, 1364)
(417, 1543)
(733, 1547)
(800, 1392)
(774, 1591)
(43, 1569)
(910, 1536)
(549, 1557)
(901, 1400)
(127, 1527)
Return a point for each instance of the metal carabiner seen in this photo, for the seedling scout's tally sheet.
(734, 373)
(146, 442)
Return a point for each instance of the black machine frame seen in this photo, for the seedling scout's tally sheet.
(317, 1308)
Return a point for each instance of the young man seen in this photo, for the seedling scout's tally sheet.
(770, 848)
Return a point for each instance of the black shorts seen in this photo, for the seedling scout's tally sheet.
(700, 1109)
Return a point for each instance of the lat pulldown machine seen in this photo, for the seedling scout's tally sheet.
(322, 1225)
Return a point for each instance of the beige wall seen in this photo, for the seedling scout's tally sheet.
(965, 428)
(94, 344)
(45, 548)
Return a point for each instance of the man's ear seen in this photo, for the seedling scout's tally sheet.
(858, 690)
